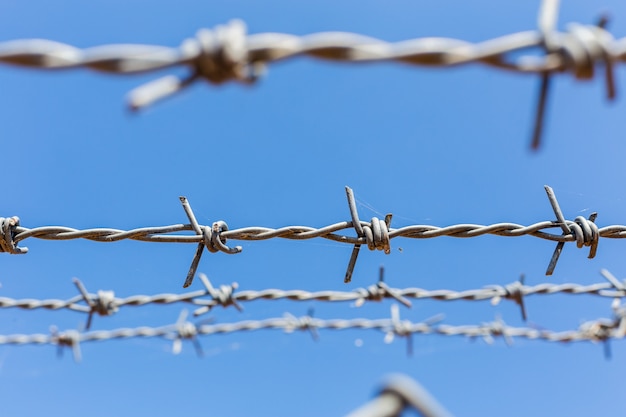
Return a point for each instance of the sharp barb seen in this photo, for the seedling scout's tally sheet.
(555, 258)
(540, 111)
(190, 215)
(194, 265)
(83, 291)
(607, 350)
(548, 14)
(352, 263)
(356, 223)
(612, 280)
(557, 209)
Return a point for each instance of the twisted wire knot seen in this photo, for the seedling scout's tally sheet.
(599, 331)
(220, 54)
(217, 55)
(105, 303)
(583, 46)
(306, 323)
(586, 233)
(69, 339)
(402, 328)
(7, 234)
(377, 235)
(224, 295)
(186, 330)
(515, 292)
(496, 328)
(378, 292)
(214, 241)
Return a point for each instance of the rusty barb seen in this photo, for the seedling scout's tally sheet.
(376, 234)
(226, 53)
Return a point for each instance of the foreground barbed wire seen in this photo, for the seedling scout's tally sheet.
(105, 303)
(601, 330)
(376, 234)
(226, 53)
(398, 393)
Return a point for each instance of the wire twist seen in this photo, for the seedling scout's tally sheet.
(8, 228)
(376, 235)
(104, 303)
(226, 53)
(601, 330)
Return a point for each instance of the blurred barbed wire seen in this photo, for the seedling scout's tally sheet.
(601, 330)
(376, 234)
(105, 303)
(227, 53)
(399, 393)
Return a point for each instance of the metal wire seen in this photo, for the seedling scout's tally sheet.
(398, 393)
(227, 53)
(375, 234)
(600, 330)
(105, 303)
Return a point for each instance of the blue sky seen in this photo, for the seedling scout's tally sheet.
(432, 146)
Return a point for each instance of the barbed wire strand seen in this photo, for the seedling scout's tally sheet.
(227, 53)
(398, 393)
(601, 330)
(376, 234)
(105, 303)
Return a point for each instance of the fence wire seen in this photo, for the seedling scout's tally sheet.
(399, 393)
(376, 234)
(227, 53)
(105, 303)
(601, 330)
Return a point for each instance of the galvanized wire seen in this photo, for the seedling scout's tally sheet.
(399, 393)
(376, 234)
(600, 330)
(227, 53)
(105, 303)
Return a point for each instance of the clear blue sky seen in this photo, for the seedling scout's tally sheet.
(432, 146)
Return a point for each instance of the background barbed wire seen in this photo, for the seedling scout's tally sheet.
(226, 53)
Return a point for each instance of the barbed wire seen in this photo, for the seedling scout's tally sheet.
(601, 330)
(226, 53)
(376, 234)
(105, 303)
(398, 393)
